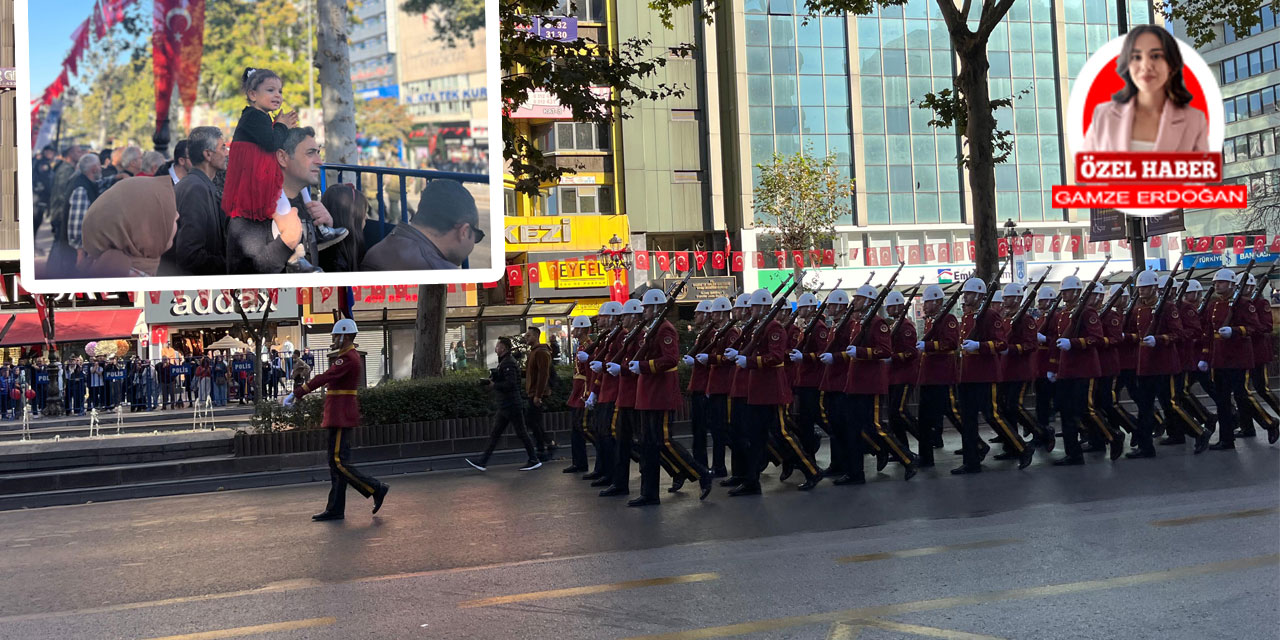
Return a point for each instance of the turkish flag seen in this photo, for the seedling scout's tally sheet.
(682, 261)
(618, 291)
(452, 288)
(663, 260)
(1002, 247)
(780, 259)
(1037, 243)
(1105, 245)
(642, 260)
(535, 274)
(155, 296)
(515, 275)
(739, 263)
(1259, 244)
(901, 251)
(930, 254)
(1202, 243)
(873, 257)
(913, 254)
(1238, 244)
(1021, 246)
(829, 257)
(973, 251)
(944, 252)
(958, 251)
(1055, 244)
(1156, 241)
(717, 260)
(1275, 244)
(1219, 244)
(1124, 243)
(1075, 244)
(159, 334)
(886, 256)
(177, 42)
(491, 285)
(797, 258)
(325, 292)
(700, 259)
(1191, 244)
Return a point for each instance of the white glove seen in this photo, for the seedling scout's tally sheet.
(887, 360)
(1004, 352)
(634, 366)
(1041, 339)
(703, 358)
(796, 356)
(613, 368)
(1225, 332)
(688, 360)
(742, 362)
(1202, 365)
(591, 400)
(920, 346)
(583, 356)
(1053, 377)
(731, 353)
(596, 366)
(1150, 341)
(288, 400)
(826, 358)
(970, 345)
(852, 351)
(1064, 344)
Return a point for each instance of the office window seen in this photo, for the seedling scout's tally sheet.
(585, 200)
(576, 136)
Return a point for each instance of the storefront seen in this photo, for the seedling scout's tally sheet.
(78, 319)
(181, 323)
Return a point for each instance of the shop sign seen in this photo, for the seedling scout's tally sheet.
(588, 307)
(542, 104)
(580, 274)
(700, 289)
(585, 233)
(212, 306)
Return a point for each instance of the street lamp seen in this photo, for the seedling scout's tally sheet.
(616, 258)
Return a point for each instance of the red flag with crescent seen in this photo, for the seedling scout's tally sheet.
(682, 261)
(717, 260)
(177, 43)
(642, 260)
(663, 260)
(700, 259)
(155, 297)
(515, 275)
(325, 292)
(740, 262)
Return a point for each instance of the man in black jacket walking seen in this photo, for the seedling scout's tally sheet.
(505, 382)
(200, 246)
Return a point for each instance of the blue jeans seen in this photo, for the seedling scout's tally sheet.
(219, 395)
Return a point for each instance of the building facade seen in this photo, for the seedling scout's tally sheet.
(373, 50)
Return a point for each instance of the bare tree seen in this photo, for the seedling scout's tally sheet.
(1264, 207)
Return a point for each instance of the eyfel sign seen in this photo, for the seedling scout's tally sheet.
(1145, 124)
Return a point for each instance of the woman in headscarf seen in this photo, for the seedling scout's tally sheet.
(128, 228)
(349, 209)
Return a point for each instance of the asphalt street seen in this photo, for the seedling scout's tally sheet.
(1180, 546)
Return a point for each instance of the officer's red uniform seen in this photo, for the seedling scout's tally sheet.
(656, 396)
(979, 384)
(768, 394)
(1075, 369)
(342, 379)
(658, 386)
(939, 372)
(1156, 367)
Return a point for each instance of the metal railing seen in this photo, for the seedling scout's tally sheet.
(376, 230)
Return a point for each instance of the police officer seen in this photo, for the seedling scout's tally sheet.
(904, 369)
(1074, 366)
(657, 397)
(768, 394)
(985, 337)
(581, 433)
(341, 414)
(698, 400)
(604, 392)
(1017, 367)
(1190, 351)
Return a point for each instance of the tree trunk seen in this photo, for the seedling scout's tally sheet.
(428, 342)
(336, 96)
(982, 169)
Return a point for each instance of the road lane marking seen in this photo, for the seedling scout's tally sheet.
(775, 624)
(593, 589)
(238, 632)
(843, 631)
(1247, 513)
(927, 551)
(918, 630)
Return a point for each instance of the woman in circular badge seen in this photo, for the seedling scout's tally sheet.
(1152, 112)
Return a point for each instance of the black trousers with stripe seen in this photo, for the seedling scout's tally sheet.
(1071, 396)
(935, 402)
(808, 417)
(1250, 409)
(901, 422)
(658, 450)
(342, 473)
(717, 416)
(602, 421)
(1011, 398)
(1044, 403)
(579, 437)
(735, 423)
(1161, 388)
(788, 444)
(982, 397)
(830, 406)
(860, 413)
(1189, 401)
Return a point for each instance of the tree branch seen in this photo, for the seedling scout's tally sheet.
(991, 16)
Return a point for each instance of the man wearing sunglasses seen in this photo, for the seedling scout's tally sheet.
(441, 234)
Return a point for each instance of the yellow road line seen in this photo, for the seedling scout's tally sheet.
(1248, 513)
(774, 624)
(238, 632)
(599, 588)
(931, 632)
(927, 551)
(844, 631)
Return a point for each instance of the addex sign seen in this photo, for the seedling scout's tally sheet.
(191, 307)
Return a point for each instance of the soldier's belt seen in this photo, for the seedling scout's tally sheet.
(342, 392)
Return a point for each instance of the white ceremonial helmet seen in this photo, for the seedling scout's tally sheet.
(632, 306)
(720, 304)
(1194, 287)
(867, 291)
(344, 326)
(654, 296)
(997, 297)
(761, 297)
(894, 298)
(974, 285)
(839, 296)
(581, 322)
(1147, 278)
(933, 292)
(807, 300)
(611, 308)
(1013, 289)
(1252, 280)
(1100, 289)
(703, 306)
(1046, 293)
(1224, 275)
(744, 301)
(1070, 282)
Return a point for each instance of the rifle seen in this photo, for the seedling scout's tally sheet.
(869, 315)
(648, 332)
(1057, 301)
(1164, 297)
(1257, 292)
(1029, 298)
(724, 331)
(753, 325)
(1111, 301)
(817, 314)
(869, 278)
(906, 306)
(848, 313)
(1182, 289)
(1077, 314)
(982, 308)
(766, 319)
(947, 306)
(1235, 296)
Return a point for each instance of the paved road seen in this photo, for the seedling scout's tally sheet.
(1181, 546)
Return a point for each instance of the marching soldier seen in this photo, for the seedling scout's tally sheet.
(939, 372)
(1044, 361)
(604, 394)
(657, 396)
(1259, 341)
(904, 369)
(979, 379)
(728, 359)
(1230, 355)
(808, 371)
(1193, 345)
(1108, 414)
(1074, 366)
(582, 432)
(1158, 361)
(698, 399)
(795, 331)
(1017, 367)
(341, 414)
(1263, 348)
(719, 380)
(830, 382)
(768, 394)
(866, 381)
(1127, 379)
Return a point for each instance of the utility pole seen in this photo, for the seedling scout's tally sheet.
(1134, 226)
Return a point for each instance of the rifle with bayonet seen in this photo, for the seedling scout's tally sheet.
(766, 319)
(752, 324)
(647, 332)
(932, 322)
(1262, 283)
(1235, 296)
(1057, 301)
(817, 314)
(1157, 321)
(724, 331)
(982, 308)
(869, 314)
(906, 306)
(1029, 299)
(848, 313)
(1186, 282)
(1077, 314)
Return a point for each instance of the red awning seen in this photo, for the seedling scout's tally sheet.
(71, 326)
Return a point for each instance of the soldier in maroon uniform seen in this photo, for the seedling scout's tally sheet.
(904, 369)
(1017, 367)
(657, 396)
(698, 400)
(624, 403)
(1190, 352)
(979, 380)
(581, 433)
(809, 341)
(1158, 361)
(341, 414)
(1074, 363)
(737, 406)
(1044, 361)
(939, 371)
(866, 380)
(1230, 355)
(830, 385)
(1110, 362)
(604, 393)
(720, 380)
(1256, 378)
